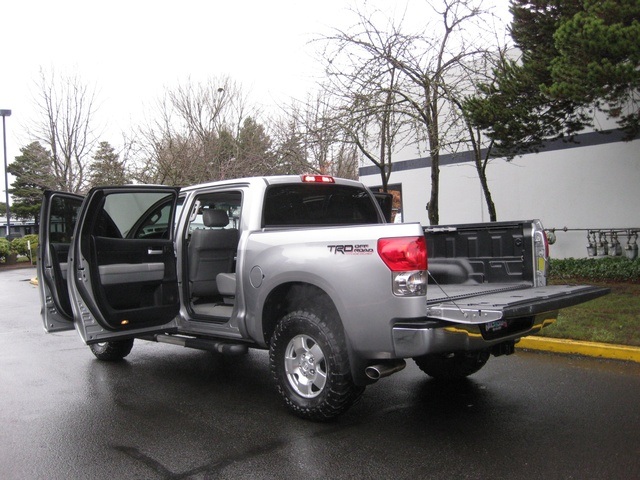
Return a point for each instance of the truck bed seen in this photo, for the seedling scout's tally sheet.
(445, 293)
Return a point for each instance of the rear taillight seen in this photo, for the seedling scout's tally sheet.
(540, 254)
(406, 257)
(403, 253)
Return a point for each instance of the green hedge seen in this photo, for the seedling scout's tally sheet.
(19, 245)
(5, 249)
(607, 269)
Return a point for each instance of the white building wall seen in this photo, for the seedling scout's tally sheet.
(578, 187)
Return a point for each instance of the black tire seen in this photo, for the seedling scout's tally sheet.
(452, 366)
(310, 365)
(112, 351)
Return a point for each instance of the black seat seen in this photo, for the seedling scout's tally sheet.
(212, 250)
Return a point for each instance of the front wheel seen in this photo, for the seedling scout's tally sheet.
(112, 351)
(452, 366)
(310, 365)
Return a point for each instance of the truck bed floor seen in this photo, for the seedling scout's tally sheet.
(443, 293)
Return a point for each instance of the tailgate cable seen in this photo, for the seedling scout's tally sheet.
(446, 294)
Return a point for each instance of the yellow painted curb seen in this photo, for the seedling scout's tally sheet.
(590, 349)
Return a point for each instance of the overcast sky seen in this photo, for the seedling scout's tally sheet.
(132, 49)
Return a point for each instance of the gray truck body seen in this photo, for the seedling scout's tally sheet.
(486, 283)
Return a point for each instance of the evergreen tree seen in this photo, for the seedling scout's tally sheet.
(107, 169)
(598, 60)
(254, 149)
(514, 108)
(290, 150)
(33, 174)
(577, 56)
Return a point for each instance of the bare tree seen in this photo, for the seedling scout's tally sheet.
(167, 156)
(202, 132)
(290, 150)
(427, 63)
(67, 107)
(369, 114)
(314, 138)
(476, 141)
(322, 134)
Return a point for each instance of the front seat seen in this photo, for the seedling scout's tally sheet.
(212, 250)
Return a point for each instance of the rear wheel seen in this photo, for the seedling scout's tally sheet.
(452, 366)
(112, 351)
(309, 362)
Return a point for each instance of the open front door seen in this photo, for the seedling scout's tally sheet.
(58, 216)
(122, 263)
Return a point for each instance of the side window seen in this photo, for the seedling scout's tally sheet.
(135, 215)
(63, 216)
(218, 210)
(154, 223)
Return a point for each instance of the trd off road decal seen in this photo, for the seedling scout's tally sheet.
(350, 249)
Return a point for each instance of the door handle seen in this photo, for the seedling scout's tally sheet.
(151, 251)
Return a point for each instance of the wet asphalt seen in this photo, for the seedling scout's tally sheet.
(172, 413)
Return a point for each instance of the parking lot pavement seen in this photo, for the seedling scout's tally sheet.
(173, 413)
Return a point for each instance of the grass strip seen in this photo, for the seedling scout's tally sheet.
(614, 318)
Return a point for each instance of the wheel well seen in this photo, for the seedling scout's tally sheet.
(289, 297)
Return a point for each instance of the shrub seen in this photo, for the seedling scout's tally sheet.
(608, 269)
(5, 248)
(19, 245)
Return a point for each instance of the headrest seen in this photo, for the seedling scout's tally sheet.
(215, 218)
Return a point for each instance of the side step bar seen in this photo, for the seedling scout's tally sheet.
(219, 346)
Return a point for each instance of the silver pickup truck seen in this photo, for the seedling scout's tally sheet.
(304, 266)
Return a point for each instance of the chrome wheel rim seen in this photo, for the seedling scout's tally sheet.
(305, 366)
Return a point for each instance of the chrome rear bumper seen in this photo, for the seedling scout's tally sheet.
(414, 340)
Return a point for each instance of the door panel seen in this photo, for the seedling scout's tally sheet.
(124, 280)
(134, 275)
(57, 221)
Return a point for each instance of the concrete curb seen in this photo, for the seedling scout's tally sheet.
(589, 349)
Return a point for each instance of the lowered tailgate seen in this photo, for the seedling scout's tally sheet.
(473, 305)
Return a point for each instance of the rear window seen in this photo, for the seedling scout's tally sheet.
(311, 204)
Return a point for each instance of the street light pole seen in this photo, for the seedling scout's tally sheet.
(6, 113)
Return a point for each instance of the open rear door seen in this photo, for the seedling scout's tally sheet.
(385, 200)
(122, 263)
(57, 220)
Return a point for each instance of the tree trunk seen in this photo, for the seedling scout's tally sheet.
(487, 195)
(432, 206)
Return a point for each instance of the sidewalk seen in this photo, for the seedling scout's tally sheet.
(576, 347)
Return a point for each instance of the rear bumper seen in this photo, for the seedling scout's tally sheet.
(414, 340)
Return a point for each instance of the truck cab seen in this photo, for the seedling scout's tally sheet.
(145, 261)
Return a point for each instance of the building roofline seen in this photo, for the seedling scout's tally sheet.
(581, 140)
